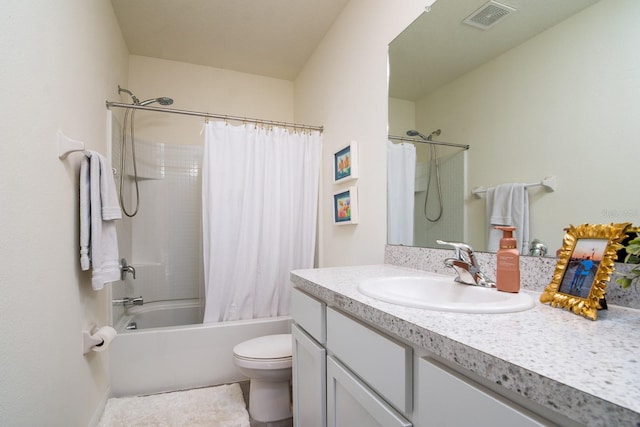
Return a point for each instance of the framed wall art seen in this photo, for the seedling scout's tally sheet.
(345, 163)
(584, 267)
(345, 206)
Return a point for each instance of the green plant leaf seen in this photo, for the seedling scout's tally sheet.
(624, 282)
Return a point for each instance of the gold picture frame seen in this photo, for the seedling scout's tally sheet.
(584, 267)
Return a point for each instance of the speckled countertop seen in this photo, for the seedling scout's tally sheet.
(587, 370)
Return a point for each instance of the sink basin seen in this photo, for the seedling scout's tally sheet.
(442, 293)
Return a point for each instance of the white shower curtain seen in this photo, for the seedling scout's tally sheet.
(260, 201)
(401, 171)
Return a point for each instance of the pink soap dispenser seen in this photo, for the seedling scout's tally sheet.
(508, 262)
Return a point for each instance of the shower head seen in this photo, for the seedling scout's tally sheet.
(162, 101)
(416, 133)
(426, 138)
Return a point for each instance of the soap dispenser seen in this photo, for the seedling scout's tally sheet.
(508, 262)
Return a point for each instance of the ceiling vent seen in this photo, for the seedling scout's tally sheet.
(488, 15)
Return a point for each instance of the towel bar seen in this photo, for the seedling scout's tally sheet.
(549, 183)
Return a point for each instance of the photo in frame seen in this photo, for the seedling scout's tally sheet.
(585, 265)
(345, 163)
(345, 206)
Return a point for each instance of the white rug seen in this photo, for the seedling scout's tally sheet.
(221, 406)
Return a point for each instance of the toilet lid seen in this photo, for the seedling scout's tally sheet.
(267, 347)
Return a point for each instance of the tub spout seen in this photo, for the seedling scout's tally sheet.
(126, 301)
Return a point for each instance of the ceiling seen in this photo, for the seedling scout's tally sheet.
(438, 48)
(272, 38)
(275, 38)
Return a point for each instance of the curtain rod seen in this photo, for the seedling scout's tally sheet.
(212, 116)
(448, 144)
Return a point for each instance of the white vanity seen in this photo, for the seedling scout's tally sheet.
(359, 361)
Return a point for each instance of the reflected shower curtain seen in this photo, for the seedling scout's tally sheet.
(401, 171)
(260, 202)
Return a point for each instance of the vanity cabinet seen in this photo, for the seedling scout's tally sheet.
(346, 373)
(309, 361)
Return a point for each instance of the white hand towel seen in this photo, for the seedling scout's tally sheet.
(508, 204)
(98, 208)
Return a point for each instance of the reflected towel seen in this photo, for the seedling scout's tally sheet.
(508, 204)
(98, 208)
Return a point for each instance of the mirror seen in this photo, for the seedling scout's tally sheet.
(551, 89)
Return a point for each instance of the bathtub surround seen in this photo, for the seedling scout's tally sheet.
(221, 406)
(259, 208)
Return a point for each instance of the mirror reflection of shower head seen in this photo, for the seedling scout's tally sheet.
(426, 138)
(163, 100)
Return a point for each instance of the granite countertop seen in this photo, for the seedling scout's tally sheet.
(586, 370)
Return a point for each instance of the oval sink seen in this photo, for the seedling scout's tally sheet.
(442, 293)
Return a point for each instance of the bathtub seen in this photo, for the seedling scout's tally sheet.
(155, 358)
(161, 315)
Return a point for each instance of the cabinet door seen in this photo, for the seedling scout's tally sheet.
(351, 403)
(309, 381)
(447, 399)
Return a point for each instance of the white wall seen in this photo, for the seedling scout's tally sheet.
(205, 89)
(565, 103)
(402, 116)
(343, 87)
(60, 61)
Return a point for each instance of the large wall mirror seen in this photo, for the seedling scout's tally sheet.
(550, 90)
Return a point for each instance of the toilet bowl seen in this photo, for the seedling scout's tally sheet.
(266, 361)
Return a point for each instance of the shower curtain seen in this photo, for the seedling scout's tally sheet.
(260, 201)
(401, 171)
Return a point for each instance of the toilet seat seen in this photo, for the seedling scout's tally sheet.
(266, 347)
(267, 352)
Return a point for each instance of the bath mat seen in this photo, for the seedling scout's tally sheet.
(220, 406)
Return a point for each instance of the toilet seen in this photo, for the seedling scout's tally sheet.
(267, 362)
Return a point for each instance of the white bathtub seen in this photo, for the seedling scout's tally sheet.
(161, 315)
(162, 359)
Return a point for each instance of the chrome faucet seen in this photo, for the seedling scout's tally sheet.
(126, 301)
(466, 266)
(124, 269)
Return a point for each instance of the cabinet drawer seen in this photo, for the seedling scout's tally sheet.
(310, 314)
(442, 393)
(352, 403)
(385, 365)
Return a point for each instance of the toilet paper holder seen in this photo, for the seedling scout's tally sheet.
(90, 339)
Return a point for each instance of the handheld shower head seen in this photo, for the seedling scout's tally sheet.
(162, 101)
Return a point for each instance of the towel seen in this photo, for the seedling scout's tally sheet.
(98, 209)
(508, 204)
